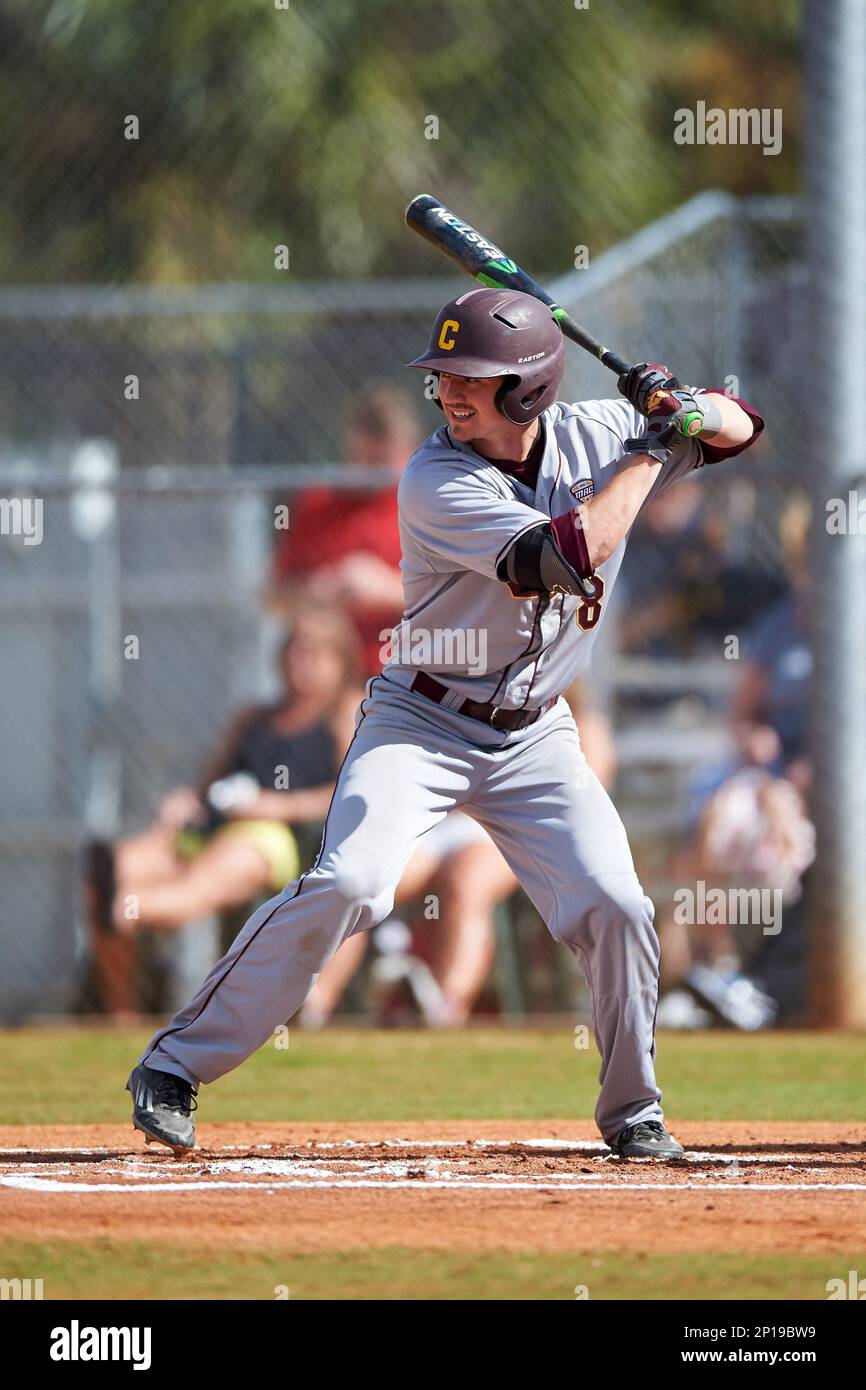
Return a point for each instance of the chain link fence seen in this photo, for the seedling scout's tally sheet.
(157, 432)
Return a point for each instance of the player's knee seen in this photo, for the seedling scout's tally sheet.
(364, 885)
(610, 903)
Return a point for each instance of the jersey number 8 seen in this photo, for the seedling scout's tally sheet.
(589, 609)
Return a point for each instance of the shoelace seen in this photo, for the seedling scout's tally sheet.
(176, 1093)
(646, 1129)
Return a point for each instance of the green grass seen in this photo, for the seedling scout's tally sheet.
(76, 1075)
(145, 1270)
(72, 1075)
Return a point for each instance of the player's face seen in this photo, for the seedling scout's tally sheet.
(469, 405)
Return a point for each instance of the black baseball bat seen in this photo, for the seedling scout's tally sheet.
(487, 263)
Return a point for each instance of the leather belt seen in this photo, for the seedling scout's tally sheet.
(508, 719)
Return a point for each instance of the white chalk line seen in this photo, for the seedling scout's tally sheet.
(588, 1146)
(466, 1184)
(301, 1170)
(581, 1145)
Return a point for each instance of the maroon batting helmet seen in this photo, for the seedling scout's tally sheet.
(500, 333)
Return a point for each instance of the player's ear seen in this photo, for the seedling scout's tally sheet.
(507, 386)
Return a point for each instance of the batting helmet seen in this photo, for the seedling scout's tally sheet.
(500, 333)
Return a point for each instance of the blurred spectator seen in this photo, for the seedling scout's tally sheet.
(769, 708)
(235, 837)
(680, 588)
(753, 833)
(242, 835)
(751, 827)
(343, 546)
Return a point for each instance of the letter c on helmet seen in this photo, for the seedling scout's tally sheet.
(447, 343)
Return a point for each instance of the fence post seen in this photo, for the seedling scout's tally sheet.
(835, 40)
(93, 512)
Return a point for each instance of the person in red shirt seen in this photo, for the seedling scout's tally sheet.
(342, 548)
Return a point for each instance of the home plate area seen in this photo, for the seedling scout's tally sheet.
(476, 1164)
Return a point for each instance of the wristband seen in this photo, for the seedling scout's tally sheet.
(713, 421)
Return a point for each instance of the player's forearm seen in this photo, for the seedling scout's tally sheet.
(735, 426)
(610, 515)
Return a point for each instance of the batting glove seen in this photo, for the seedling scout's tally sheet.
(671, 410)
(644, 381)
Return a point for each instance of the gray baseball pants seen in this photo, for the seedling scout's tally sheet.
(410, 762)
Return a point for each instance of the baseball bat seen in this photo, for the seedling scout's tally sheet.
(487, 263)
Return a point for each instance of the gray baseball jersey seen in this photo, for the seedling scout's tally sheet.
(459, 514)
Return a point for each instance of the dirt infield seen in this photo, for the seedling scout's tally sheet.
(750, 1188)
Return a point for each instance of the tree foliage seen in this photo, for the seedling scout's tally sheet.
(308, 126)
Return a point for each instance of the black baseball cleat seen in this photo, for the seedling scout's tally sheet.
(648, 1139)
(162, 1106)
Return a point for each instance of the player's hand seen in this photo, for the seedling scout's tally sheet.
(671, 410)
(644, 381)
(677, 416)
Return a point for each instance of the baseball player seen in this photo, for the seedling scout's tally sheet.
(514, 518)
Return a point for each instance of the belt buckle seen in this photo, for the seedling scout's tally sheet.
(492, 720)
